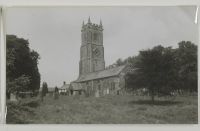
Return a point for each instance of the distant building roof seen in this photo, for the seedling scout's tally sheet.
(101, 74)
(65, 86)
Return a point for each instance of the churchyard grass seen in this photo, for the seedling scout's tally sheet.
(115, 110)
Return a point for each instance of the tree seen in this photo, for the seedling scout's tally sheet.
(19, 84)
(155, 70)
(163, 70)
(21, 65)
(56, 93)
(119, 62)
(44, 89)
(131, 60)
(186, 61)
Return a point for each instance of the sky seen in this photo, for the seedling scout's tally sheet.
(55, 33)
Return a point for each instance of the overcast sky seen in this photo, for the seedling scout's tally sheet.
(55, 33)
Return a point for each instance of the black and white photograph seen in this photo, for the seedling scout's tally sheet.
(101, 65)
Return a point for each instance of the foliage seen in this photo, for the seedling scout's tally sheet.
(186, 57)
(44, 89)
(155, 69)
(162, 70)
(19, 84)
(19, 112)
(21, 65)
(119, 62)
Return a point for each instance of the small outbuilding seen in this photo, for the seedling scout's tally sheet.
(64, 89)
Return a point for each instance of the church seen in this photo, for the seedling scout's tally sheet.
(94, 79)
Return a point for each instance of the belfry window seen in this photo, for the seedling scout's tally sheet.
(95, 36)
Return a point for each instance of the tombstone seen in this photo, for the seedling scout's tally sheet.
(56, 95)
(97, 93)
(27, 95)
(13, 97)
(74, 93)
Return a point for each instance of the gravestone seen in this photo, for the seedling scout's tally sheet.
(13, 97)
(97, 93)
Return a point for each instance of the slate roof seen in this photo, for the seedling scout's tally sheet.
(101, 74)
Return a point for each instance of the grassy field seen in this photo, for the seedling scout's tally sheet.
(104, 110)
(114, 110)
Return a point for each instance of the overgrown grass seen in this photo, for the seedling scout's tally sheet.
(114, 110)
(20, 112)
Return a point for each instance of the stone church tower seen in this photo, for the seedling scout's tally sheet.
(94, 79)
(92, 50)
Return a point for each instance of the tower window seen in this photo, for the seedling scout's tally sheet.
(95, 36)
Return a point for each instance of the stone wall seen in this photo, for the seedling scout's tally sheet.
(105, 86)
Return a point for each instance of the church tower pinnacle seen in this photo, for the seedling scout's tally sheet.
(92, 50)
(89, 21)
(83, 24)
(100, 23)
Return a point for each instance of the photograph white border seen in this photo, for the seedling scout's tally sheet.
(112, 127)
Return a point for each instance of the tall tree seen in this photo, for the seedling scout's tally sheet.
(44, 88)
(186, 57)
(21, 64)
(155, 70)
